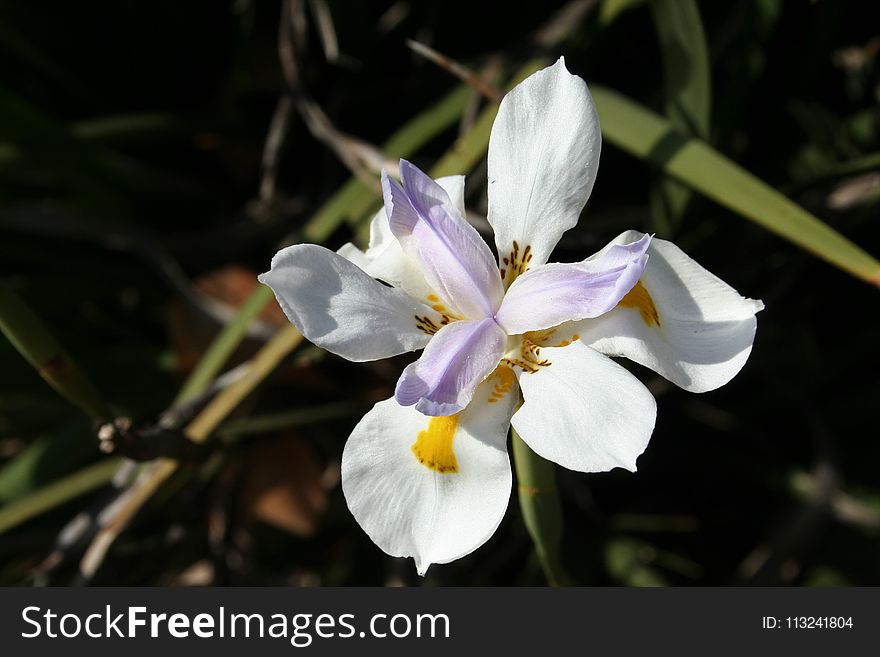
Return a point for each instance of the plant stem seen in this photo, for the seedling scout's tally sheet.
(221, 348)
(541, 509)
(159, 471)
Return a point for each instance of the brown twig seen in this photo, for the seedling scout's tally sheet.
(123, 510)
(326, 29)
(362, 158)
(460, 71)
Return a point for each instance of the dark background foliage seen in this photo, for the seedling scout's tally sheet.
(131, 138)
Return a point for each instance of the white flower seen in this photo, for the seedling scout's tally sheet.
(427, 473)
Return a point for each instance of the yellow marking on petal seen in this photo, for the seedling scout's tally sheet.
(640, 299)
(433, 446)
(439, 307)
(567, 341)
(539, 338)
(433, 298)
(504, 384)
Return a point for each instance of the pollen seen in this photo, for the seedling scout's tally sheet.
(515, 263)
(529, 358)
(433, 446)
(640, 299)
(505, 378)
(567, 341)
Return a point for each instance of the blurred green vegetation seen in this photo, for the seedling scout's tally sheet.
(153, 156)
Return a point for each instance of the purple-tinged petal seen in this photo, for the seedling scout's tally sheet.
(454, 363)
(454, 259)
(554, 293)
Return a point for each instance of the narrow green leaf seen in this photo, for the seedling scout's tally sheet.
(58, 492)
(685, 65)
(541, 510)
(33, 340)
(48, 457)
(688, 94)
(610, 10)
(226, 342)
(624, 559)
(647, 136)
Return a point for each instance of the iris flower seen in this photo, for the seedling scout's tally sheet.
(509, 341)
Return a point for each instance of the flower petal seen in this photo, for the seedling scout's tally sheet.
(454, 363)
(584, 411)
(384, 258)
(434, 489)
(339, 307)
(682, 322)
(554, 293)
(543, 158)
(454, 259)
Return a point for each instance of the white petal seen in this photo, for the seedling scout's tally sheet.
(703, 331)
(543, 158)
(454, 186)
(584, 411)
(384, 258)
(411, 510)
(339, 307)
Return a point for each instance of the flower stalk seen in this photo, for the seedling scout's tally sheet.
(541, 509)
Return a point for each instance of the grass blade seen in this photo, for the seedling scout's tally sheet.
(35, 342)
(57, 493)
(647, 136)
(688, 94)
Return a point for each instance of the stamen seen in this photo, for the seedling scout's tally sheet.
(504, 384)
(426, 324)
(529, 360)
(516, 263)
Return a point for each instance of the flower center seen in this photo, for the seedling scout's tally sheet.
(524, 352)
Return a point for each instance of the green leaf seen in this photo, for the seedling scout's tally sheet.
(688, 93)
(541, 508)
(58, 492)
(685, 65)
(610, 10)
(33, 340)
(50, 456)
(647, 136)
